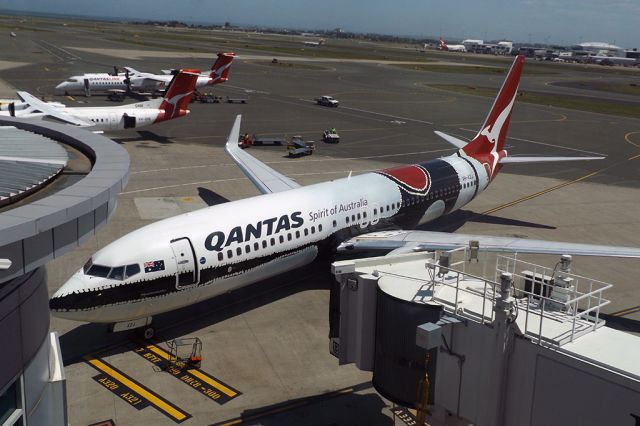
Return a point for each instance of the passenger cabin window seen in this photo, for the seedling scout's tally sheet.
(281, 239)
(256, 246)
(297, 234)
(220, 256)
(229, 254)
(273, 241)
(288, 236)
(247, 248)
(238, 251)
(335, 223)
(313, 229)
(306, 232)
(319, 228)
(264, 244)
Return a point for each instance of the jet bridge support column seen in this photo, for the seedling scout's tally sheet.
(504, 335)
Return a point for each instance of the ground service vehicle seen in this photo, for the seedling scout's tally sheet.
(327, 101)
(330, 137)
(298, 147)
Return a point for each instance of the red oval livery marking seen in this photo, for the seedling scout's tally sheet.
(414, 177)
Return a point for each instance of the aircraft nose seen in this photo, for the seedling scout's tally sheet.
(61, 87)
(68, 299)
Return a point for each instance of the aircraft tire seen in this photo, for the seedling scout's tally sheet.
(147, 333)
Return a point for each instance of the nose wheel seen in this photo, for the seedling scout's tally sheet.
(147, 332)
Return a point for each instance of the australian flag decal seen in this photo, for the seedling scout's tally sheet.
(153, 266)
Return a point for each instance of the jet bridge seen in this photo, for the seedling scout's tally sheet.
(521, 345)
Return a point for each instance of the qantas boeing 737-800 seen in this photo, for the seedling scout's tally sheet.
(133, 116)
(141, 81)
(195, 256)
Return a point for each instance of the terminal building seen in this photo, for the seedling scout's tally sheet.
(44, 213)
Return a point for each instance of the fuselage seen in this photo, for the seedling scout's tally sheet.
(105, 118)
(195, 256)
(104, 82)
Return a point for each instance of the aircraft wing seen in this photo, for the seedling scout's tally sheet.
(507, 160)
(412, 241)
(50, 110)
(263, 177)
(148, 79)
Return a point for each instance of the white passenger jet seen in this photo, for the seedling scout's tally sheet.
(195, 256)
(451, 47)
(136, 81)
(173, 105)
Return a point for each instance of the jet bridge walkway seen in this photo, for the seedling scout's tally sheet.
(521, 345)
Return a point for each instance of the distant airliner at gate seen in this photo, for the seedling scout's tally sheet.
(195, 256)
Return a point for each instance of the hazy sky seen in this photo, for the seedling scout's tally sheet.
(561, 21)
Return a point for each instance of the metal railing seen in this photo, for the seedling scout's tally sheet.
(580, 308)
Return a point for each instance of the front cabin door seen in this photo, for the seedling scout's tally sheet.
(186, 265)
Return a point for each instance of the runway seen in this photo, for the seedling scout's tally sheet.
(268, 343)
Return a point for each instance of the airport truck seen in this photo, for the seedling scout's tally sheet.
(327, 101)
(298, 147)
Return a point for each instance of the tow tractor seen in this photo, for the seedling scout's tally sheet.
(246, 141)
(298, 147)
(330, 136)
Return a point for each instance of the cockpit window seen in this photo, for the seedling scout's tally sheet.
(98, 271)
(132, 270)
(87, 265)
(117, 273)
(72, 80)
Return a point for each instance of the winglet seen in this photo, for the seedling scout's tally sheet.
(262, 176)
(234, 135)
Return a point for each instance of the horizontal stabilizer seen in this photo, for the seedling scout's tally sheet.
(507, 160)
(412, 241)
(458, 143)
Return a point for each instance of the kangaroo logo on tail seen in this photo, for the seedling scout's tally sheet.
(178, 96)
(486, 146)
(220, 70)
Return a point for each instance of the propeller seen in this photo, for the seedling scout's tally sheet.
(127, 80)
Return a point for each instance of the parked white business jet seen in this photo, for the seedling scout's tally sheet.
(195, 256)
(141, 82)
(451, 47)
(173, 105)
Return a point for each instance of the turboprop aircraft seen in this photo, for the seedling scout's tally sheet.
(136, 81)
(195, 256)
(173, 105)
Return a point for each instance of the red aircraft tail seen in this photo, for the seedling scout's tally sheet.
(220, 69)
(442, 45)
(178, 96)
(492, 134)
